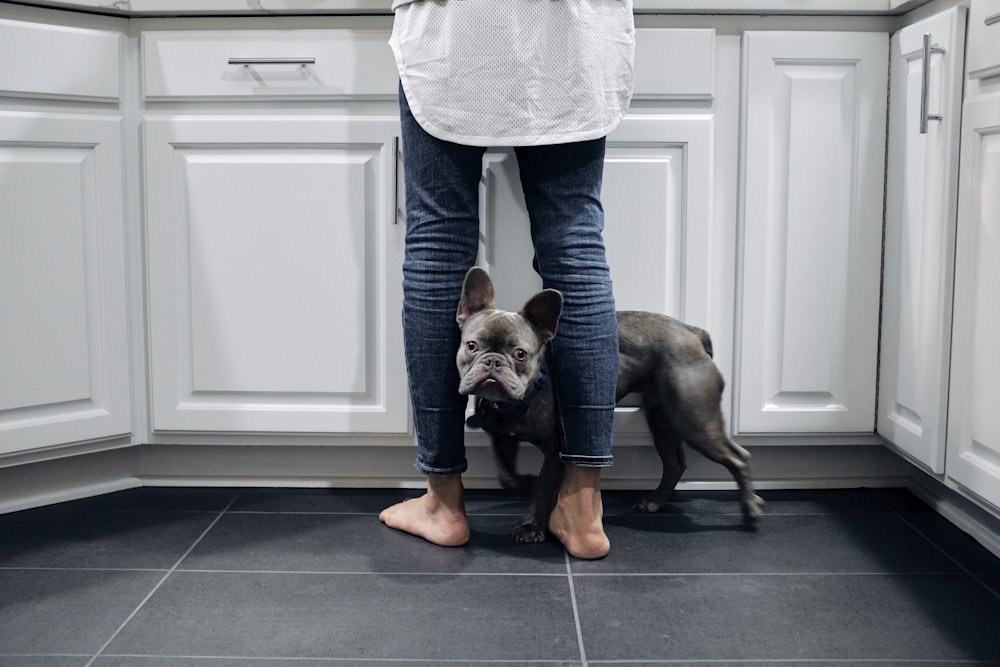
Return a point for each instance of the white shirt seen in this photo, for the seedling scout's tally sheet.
(515, 72)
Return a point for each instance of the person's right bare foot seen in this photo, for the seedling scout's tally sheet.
(438, 516)
(577, 519)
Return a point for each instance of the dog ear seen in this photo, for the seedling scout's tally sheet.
(477, 294)
(543, 310)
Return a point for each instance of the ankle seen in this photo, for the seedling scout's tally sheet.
(446, 493)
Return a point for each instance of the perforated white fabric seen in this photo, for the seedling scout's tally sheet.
(515, 72)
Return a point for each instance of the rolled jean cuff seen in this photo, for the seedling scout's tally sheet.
(441, 472)
(587, 461)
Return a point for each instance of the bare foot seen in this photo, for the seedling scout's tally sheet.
(437, 516)
(576, 520)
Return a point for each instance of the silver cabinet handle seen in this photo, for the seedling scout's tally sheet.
(925, 83)
(990, 20)
(246, 62)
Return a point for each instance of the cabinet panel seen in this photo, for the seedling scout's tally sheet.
(984, 39)
(974, 421)
(57, 61)
(657, 201)
(814, 158)
(274, 275)
(922, 200)
(657, 196)
(330, 63)
(673, 63)
(63, 343)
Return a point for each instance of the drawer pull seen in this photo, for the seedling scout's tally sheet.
(925, 83)
(990, 20)
(246, 62)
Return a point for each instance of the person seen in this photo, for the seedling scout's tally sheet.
(549, 78)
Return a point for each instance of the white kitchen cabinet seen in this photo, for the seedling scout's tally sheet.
(274, 260)
(64, 359)
(657, 195)
(984, 39)
(657, 198)
(814, 145)
(973, 459)
(274, 248)
(921, 209)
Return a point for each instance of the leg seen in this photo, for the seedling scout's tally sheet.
(442, 239)
(701, 426)
(670, 448)
(562, 185)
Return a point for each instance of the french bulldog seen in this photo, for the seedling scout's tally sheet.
(502, 361)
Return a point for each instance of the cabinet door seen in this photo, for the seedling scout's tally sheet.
(657, 197)
(63, 317)
(973, 419)
(814, 140)
(274, 274)
(657, 202)
(921, 205)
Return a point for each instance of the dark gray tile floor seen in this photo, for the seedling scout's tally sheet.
(309, 578)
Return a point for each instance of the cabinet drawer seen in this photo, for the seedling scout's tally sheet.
(333, 63)
(58, 62)
(983, 58)
(673, 63)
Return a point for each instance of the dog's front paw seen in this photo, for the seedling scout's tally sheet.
(753, 509)
(529, 533)
(648, 505)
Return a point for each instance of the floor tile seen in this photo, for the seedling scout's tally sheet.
(796, 663)
(44, 660)
(787, 617)
(360, 543)
(170, 499)
(142, 661)
(786, 543)
(355, 616)
(66, 611)
(698, 503)
(966, 551)
(65, 538)
(338, 501)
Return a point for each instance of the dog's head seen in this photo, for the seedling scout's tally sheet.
(501, 351)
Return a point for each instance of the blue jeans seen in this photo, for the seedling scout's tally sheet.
(562, 186)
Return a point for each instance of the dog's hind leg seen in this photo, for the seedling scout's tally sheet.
(717, 447)
(671, 451)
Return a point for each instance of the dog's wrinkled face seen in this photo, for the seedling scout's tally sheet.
(501, 351)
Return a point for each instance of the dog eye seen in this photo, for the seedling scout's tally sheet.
(472, 346)
(520, 354)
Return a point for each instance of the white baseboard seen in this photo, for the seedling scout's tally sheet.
(982, 525)
(72, 478)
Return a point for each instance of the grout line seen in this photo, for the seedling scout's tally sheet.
(306, 660)
(378, 573)
(159, 584)
(576, 611)
(887, 573)
(948, 555)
